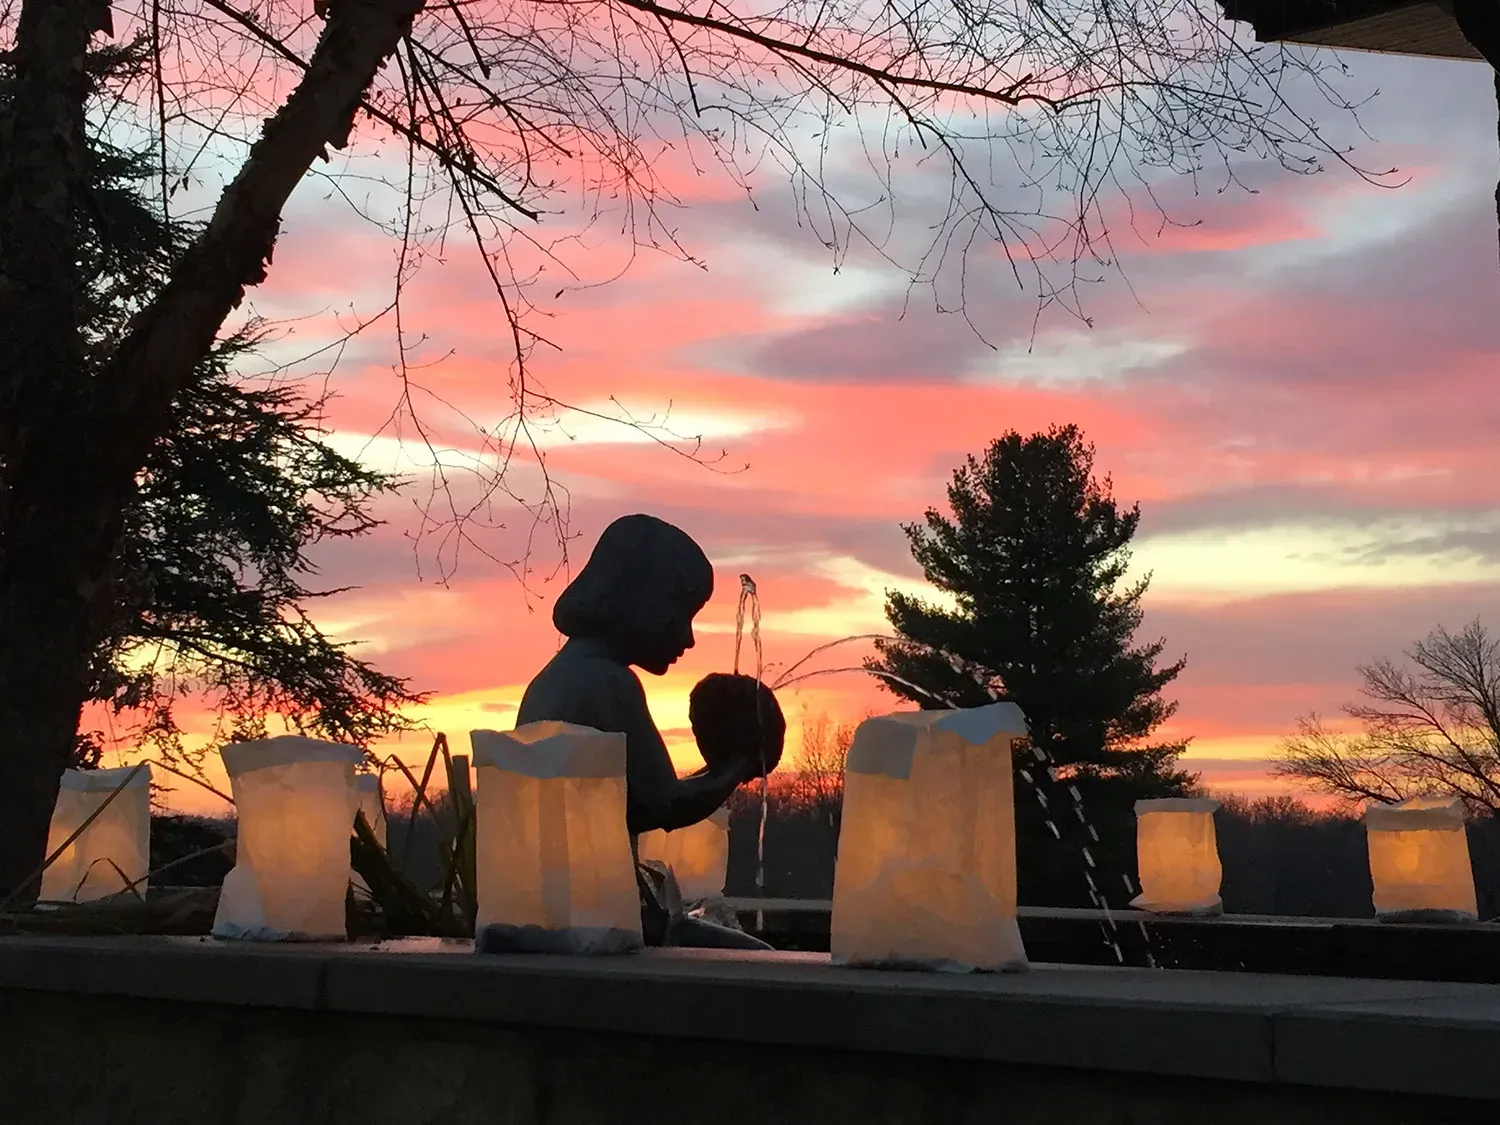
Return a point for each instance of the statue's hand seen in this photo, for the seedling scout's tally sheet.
(737, 749)
(737, 723)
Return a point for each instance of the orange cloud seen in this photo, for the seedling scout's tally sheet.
(1281, 388)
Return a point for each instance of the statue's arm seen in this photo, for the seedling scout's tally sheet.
(657, 797)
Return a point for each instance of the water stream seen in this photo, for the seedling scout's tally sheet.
(750, 599)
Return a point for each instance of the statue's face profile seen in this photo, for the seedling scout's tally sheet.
(639, 592)
(658, 649)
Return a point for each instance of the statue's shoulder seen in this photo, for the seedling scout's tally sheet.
(591, 670)
(581, 685)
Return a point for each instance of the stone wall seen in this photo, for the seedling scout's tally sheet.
(105, 1060)
(168, 1030)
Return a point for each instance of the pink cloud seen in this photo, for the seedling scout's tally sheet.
(1282, 369)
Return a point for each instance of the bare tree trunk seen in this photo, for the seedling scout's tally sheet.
(72, 443)
(44, 597)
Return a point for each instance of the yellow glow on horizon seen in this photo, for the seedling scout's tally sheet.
(602, 423)
(402, 618)
(860, 610)
(1254, 748)
(1228, 564)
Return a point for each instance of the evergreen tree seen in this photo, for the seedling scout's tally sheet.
(1034, 559)
(211, 581)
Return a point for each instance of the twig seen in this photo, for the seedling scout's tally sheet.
(195, 780)
(412, 135)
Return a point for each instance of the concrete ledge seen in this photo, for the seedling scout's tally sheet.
(1353, 1035)
(1353, 947)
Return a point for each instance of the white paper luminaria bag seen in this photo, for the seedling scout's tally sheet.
(372, 804)
(553, 861)
(698, 855)
(114, 851)
(295, 799)
(1419, 861)
(1177, 856)
(926, 870)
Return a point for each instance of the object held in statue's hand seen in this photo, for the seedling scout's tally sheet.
(737, 718)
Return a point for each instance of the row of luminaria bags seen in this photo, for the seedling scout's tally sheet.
(925, 875)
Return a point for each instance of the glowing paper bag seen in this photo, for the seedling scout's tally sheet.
(1177, 856)
(114, 851)
(552, 854)
(1419, 861)
(926, 870)
(698, 855)
(367, 786)
(295, 799)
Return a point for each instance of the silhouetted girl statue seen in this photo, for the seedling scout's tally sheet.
(633, 603)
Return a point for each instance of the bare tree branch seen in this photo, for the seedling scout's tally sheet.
(1432, 732)
(886, 78)
(1015, 124)
(445, 156)
(818, 782)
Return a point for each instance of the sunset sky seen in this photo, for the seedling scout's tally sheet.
(1300, 391)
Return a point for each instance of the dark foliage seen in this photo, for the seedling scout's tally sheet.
(1282, 858)
(1279, 857)
(179, 840)
(801, 844)
(212, 579)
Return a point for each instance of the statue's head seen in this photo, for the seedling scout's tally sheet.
(639, 592)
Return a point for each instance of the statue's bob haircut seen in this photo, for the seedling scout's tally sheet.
(643, 573)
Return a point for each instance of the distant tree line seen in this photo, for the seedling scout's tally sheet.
(1280, 856)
